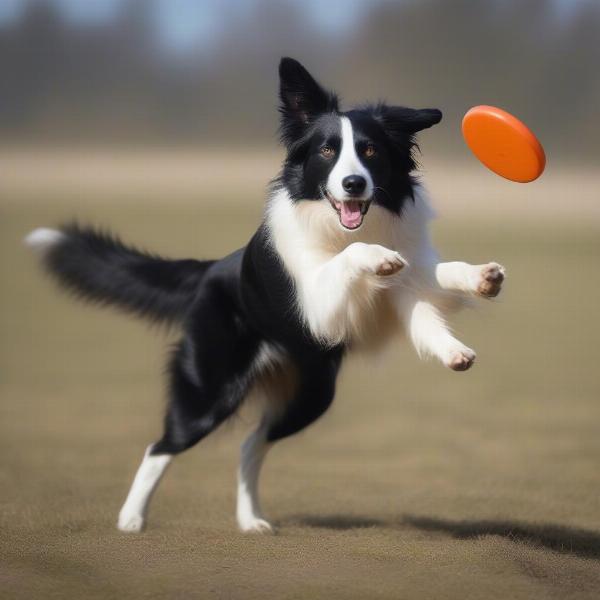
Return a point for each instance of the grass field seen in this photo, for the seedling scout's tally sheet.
(419, 483)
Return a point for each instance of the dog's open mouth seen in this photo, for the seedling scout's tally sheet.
(350, 212)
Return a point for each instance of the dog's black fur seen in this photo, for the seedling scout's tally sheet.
(229, 307)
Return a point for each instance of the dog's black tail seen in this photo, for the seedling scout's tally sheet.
(98, 267)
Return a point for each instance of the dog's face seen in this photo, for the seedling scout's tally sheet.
(348, 159)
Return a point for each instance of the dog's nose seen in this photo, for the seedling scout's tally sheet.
(354, 184)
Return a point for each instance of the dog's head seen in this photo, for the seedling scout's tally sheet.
(349, 159)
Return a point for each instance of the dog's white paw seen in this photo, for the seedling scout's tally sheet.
(461, 359)
(131, 522)
(489, 280)
(376, 259)
(255, 525)
(389, 264)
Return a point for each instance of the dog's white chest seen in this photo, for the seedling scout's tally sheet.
(338, 294)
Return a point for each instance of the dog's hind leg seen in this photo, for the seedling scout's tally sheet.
(306, 395)
(275, 385)
(249, 514)
(133, 513)
(192, 415)
(209, 377)
(190, 418)
(312, 397)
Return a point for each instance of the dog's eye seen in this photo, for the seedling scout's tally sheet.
(327, 151)
(370, 151)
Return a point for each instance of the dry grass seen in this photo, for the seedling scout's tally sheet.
(419, 483)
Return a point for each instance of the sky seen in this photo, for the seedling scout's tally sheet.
(187, 24)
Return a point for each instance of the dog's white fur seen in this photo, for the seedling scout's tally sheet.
(43, 239)
(133, 514)
(249, 514)
(347, 163)
(339, 293)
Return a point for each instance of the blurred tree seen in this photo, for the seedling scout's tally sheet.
(116, 81)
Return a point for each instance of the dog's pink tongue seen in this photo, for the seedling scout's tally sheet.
(350, 214)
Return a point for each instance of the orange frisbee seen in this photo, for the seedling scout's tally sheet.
(503, 144)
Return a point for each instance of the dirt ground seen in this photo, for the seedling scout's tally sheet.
(419, 483)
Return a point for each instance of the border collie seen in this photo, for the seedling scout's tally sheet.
(342, 260)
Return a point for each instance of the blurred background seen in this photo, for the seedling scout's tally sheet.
(198, 72)
(158, 119)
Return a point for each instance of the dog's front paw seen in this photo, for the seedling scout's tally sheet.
(376, 259)
(461, 359)
(389, 264)
(490, 280)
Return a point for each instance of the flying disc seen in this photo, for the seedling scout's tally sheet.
(503, 144)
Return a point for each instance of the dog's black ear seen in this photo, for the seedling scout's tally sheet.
(402, 120)
(302, 99)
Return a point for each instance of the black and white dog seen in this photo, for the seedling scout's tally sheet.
(342, 260)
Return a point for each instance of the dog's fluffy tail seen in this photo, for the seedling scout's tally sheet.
(98, 267)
